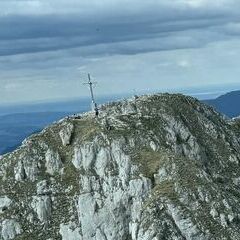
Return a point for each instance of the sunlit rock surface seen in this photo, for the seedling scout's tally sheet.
(154, 167)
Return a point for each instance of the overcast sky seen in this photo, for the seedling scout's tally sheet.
(48, 46)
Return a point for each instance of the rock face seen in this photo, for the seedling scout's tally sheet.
(156, 167)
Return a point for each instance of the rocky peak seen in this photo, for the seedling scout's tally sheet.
(152, 167)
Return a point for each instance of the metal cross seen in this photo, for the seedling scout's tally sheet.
(94, 104)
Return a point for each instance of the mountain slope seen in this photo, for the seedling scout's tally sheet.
(14, 128)
(156, 167)
(227, 104)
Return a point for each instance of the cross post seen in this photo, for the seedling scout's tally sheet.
(94, 104)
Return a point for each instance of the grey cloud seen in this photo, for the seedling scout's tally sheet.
(82, 24)
(21, 35)
(44, 42)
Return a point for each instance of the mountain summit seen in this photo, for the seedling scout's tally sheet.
(153, 167)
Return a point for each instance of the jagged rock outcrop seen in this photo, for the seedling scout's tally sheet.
(10, 229)
(66, 133)
(154, 167)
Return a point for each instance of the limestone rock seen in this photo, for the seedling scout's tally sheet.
(42, 206)
(53, 162)
(10, 229)
(70, 231)
(165, 167)
(5, 202)
(66, 133)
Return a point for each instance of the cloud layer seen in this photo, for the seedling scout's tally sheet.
(39, 37)
(36, 26)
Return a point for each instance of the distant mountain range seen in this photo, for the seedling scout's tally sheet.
(228, 104)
